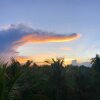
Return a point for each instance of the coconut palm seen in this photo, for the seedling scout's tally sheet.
(96, 62)
(7, 85)
(57, 79)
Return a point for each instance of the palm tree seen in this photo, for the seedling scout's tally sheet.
(7, 85)
(96, 63)
(96, 72)
(57, 79)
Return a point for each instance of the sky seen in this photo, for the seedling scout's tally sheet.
(42, 29)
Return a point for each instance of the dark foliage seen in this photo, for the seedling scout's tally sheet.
(50, 82)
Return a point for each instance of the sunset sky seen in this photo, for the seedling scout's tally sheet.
(42, 29)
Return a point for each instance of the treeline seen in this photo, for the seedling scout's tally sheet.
(53, 81)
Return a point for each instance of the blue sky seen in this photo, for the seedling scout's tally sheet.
(58, 16)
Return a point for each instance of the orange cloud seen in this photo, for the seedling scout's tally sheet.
(23, 59)
(66, 48)
(35, 38)
(39, 58)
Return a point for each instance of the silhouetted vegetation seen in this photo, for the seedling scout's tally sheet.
(53, 81)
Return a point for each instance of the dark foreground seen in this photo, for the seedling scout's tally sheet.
(50, 82)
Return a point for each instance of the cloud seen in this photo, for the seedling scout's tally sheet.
(16, 35)
(40, 38)
(23, 59)
(66, 48)
(37, 58)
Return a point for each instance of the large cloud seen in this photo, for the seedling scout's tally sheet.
(16, 35)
